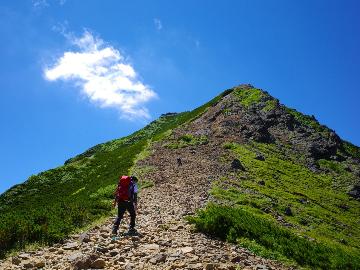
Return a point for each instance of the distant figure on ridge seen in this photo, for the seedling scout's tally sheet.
(179, 162)
(126, 199)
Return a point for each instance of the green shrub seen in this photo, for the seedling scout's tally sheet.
(351, 149)
(234, 224)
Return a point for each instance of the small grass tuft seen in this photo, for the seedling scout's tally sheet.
(187, 140)
(270, 105)
(248, 97)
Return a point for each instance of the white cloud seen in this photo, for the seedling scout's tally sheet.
(158, 24)
(103, 75)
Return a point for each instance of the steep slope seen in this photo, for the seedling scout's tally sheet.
(287, 175)
(50, 205)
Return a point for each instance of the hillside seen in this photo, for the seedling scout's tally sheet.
(266, 177)
(50, 205)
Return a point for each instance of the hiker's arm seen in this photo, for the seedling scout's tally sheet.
(136, 190)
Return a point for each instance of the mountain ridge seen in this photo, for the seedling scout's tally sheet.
(242, 120)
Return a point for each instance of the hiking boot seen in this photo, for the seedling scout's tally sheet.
(132, 231)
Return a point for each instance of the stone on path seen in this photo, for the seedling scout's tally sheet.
(39, 263)
(70, 246)
(151, 247)
(186, 250)
(99, 264)
(24, 256)
(261, 267)
(74, 256)
(210, 266)
(15, 260)
(28, 265)
(84, 238)
(158, 258)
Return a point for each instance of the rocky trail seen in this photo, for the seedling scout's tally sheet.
(165, 240)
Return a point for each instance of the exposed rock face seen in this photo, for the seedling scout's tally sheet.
(270, 124)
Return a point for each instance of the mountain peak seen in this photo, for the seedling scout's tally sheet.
(248, 113)
(274, 165)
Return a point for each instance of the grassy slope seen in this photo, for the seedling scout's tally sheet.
(321, 230)
(52, 204)
(324, 222)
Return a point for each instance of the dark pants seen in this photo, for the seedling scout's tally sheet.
(122, 207)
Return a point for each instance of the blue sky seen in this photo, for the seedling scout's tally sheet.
(77, 73)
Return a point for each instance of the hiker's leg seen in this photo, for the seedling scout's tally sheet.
(121, 211)
(132, 212)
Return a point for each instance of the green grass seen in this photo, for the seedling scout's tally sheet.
(321, 209)
(262, 251)
(270, 105)
(248, 97)
(145, 184)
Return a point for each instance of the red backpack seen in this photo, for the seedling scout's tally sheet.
(123, 191)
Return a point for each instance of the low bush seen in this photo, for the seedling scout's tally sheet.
(234, 224)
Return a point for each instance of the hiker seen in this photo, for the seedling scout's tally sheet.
(179, 162)
(126, 199)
